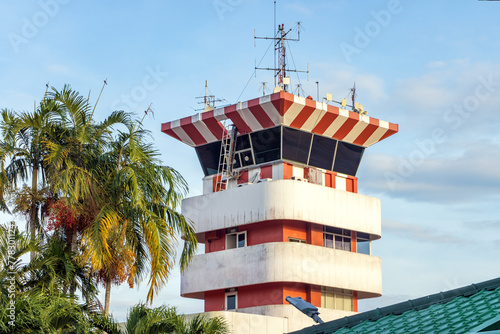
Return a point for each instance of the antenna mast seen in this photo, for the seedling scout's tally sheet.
(208, 100)
(263, 83)
(353, 91)
(280, 66)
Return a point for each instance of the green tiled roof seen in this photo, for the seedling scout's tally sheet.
(463, 310)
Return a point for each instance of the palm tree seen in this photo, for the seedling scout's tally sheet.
(35, 290)
(110, 176)
(55, 269)
(129, 198)
(138, 205)
(162, 319)
(22, 156)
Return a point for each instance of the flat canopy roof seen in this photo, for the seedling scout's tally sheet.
(281, 108)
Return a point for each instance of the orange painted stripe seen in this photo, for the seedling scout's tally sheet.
(367, 132)
(393, 128)
(287, 171)
(345, 128)
(266, 172)
(324, 123)
(355, 301)
(213, 125)
(233, 115)
(349, 186)
(282, 102)
(260, 114)
(167, 128)
(354, 244)
(304, 114)
(192, 131)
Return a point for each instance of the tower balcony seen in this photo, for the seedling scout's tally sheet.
(283, 262)
(283, 199)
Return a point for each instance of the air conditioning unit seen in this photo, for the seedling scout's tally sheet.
(265, 180)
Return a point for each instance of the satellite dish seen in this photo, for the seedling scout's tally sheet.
(277, 89)
(358, 107)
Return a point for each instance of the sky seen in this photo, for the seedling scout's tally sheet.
(433, 67)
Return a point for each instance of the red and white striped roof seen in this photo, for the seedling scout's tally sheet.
(281, 108)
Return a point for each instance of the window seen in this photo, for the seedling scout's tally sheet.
(296, 145)
(322, 152)
(232, 300)
(243, 152)
(363, 244)
(236, 240)
(209, 157)
(302, 241)
(337, 299)
(266, 145)
(347, 158)
(337, 238)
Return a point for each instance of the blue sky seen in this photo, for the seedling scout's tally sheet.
(430, 66)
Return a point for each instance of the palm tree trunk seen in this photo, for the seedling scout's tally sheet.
(33, 212)
(72, 288)
(107, 296)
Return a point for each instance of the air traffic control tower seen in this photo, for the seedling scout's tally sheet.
(280, 213)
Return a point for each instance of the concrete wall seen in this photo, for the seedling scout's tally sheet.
(296, 319)
(281, 170)
(284, 199)
(246, 323)
(283, 262)
(266, 294)
(279, 319)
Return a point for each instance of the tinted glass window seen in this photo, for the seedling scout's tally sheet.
(333, 230)
(266, 145)
(242, 142)
(363, 246)
(328, 240)
(241, 240)
(363, 235)
(338, 242)
(231, 302)
(209, 157)
(347, 244)
(322, 152)
(347, 158)
(296, 145)
(246, 158)
(236, 161)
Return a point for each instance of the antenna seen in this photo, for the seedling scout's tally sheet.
(280, 65)
(356, 106)
(208, 100)
(274, 29)
(264, 89)
(353, 92)
(299, 89)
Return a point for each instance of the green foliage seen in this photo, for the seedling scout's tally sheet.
(112, 206)
(164, 320)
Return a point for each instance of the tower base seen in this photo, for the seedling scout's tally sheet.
(281, 319)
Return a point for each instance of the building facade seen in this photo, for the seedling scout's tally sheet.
(283, 216)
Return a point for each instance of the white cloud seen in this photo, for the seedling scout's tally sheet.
(419, 233)
(471, 176)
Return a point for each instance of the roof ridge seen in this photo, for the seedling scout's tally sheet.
(409, 305)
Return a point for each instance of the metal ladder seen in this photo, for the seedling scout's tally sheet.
(225, 170)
